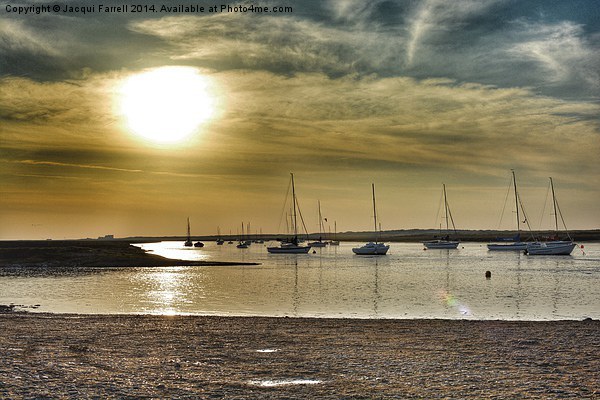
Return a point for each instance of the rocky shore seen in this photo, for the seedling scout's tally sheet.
(77, 356)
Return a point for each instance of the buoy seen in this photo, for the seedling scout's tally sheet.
(488, 275)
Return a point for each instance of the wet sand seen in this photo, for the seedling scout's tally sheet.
(70, 356)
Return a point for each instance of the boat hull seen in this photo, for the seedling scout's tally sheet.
(441, 244)
(559, 248)
(318, 244)
(370, 250)
(289, 250)
(507, 246)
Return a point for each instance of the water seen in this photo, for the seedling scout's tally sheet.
(407, 283)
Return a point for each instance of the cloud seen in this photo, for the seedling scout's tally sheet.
(559, 52)
(16, 36)
(359, 122)
(284, 45)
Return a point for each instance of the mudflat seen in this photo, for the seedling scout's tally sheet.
(25, 257)
(142, 356)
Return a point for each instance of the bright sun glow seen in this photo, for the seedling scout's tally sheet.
(166, 104)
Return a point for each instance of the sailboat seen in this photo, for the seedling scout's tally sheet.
(293, 246)
(516, 244)
(444, 242)
(372, 248)
(555, 247)
(220, 241)
(188, 241)
(242, 244)
(319, 243)
(334, 242)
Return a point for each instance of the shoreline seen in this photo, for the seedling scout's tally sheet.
(132, 356)
(21, 255)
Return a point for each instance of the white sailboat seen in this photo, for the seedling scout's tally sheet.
(293, 246)
(372, 248)
(320, 242)
(334, 242)
(444, 242)
(514, 243)
(554, 247)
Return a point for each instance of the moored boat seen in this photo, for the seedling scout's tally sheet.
(441, 244)
(514, 243)
(444, 242)
(553, 247)
(372, 248)
(377, 249)
(293, 246)
(320, 242)
(188, 241)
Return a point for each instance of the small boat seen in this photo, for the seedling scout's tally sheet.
(293, 246)
(242, 244)
(198, 244)
(188, 242)
(444, 242)
(320, 242)
(554, 247)
(219, 240)
(334, 242)
(377, 249)
(372, 248)
(517, 246)
(290, 247)
(514, 243)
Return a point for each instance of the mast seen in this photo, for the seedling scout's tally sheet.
(446, 206)
(554, 204)
(188, 229)
(375, 213)
(516, 202)
(320, 220)
(294, 214)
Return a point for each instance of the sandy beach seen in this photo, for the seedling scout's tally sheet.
(77, 356)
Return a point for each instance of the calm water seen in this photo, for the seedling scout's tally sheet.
(407, 283)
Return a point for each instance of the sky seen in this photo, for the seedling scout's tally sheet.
(408, 95)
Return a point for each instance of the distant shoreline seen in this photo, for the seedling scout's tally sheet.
(403, 235)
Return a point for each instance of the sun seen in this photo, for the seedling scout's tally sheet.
(167, 104)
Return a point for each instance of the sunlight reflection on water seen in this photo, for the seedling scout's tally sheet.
(407, 283)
